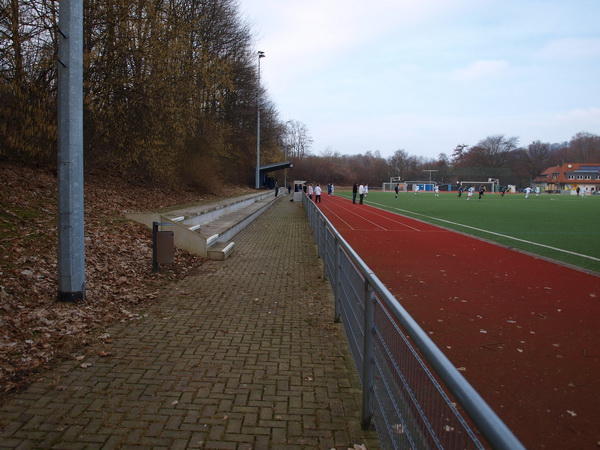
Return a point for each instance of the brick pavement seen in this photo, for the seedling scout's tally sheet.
(242, 354)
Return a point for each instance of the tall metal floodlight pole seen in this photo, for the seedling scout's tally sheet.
(71, 246)
(258, 100)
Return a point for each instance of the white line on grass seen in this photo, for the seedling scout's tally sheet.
(490, 232)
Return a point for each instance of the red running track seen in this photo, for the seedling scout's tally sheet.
(524, 331)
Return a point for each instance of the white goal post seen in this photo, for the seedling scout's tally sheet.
(391, 186)
(408, 186)
(492, 185)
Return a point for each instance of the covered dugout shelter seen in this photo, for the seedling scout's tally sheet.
(269, 182)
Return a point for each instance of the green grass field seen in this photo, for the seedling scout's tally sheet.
(561, 227)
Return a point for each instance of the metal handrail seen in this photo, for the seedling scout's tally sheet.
(333, 249)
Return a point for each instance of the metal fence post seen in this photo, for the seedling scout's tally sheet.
(324, 254)
(335, 283)
(368, 356)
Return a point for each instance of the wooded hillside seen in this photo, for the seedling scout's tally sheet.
(170, 89)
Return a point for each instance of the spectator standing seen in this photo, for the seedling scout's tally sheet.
(317, 193)
(361, 193)
(354, 192)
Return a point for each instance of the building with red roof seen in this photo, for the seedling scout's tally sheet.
(570, 176)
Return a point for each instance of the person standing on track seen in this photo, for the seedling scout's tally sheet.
(318, 193)
(354, 192)
(361, 193)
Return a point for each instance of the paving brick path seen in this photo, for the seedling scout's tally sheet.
(243, 354)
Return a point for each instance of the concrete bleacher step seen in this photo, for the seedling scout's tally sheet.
(207, 230)
(220, 251)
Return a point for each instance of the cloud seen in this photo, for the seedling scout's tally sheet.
(482, 70)
(571, 49)
(308, 33)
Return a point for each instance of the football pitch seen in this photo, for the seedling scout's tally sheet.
(561, 227)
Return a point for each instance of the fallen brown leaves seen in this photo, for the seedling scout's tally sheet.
(37, 330)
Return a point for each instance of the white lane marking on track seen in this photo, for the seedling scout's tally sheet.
(364, 218)
(497, 234)
(387, 218)
(336, 215)
(395, 221)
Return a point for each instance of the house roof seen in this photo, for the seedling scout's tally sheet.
(566, 169)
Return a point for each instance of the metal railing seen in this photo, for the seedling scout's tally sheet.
(407, 381)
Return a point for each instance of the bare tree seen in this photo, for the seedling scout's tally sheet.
(459, 153)
(399, 163)
(493, 151)
(585, 148)
(298, 141)
(538, 156)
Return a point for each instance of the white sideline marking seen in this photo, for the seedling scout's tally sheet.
(494, 233)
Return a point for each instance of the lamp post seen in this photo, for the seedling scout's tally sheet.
(257, 184)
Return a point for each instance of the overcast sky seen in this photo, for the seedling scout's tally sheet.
(427, 75)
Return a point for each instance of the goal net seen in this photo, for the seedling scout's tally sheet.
(490, 186)
(391, 187)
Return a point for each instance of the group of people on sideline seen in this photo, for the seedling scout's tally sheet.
(314, 191)
(362, 190)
